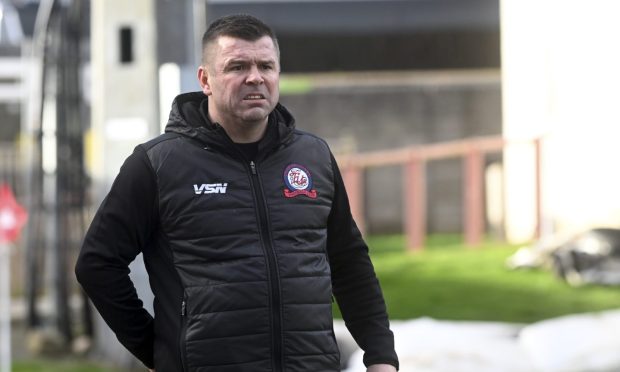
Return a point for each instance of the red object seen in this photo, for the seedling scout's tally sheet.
(12, 215)
(473, 202)
(354, 182)
(415, 203)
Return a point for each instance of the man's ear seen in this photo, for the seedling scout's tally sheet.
(203, 79)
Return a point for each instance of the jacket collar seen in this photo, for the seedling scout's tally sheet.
(189, 117)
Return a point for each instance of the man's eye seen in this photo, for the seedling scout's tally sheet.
(236, 68)
(267, 67)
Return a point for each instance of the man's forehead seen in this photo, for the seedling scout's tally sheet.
(232, 47)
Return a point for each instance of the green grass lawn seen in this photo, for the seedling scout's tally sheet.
(53, 365)
(450, 281)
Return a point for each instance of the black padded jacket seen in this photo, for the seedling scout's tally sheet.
(243, 256)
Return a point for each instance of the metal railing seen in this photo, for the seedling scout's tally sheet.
(413, 159)
(10, 166)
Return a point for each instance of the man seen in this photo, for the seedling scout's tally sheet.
(245, 229)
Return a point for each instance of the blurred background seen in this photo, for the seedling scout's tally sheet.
(465, 129)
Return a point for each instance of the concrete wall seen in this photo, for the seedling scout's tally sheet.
(369, 112)
(124, 94)
(560, 81)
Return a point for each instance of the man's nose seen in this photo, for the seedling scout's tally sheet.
(254, 76)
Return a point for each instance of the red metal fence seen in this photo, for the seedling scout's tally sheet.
(413, 160)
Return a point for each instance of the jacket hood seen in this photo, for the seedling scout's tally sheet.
(189, 117)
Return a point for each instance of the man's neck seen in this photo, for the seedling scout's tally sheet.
(245, 132)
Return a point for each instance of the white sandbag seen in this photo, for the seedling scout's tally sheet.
(428, 345)
(576, 343)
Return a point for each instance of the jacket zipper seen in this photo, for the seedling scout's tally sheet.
(272, 267)
(182, 343)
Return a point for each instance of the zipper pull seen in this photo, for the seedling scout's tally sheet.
(183, 308)
(253, 167)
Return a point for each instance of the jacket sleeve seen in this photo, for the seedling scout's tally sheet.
(355, 284)
(119, 231)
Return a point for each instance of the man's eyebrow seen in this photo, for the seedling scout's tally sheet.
(235, 60)
(231, 63)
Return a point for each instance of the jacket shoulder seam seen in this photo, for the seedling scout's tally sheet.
(304, 133)
(159, 139)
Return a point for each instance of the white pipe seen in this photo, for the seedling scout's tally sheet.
(5, 308)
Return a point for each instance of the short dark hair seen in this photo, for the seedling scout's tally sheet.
(241, 26)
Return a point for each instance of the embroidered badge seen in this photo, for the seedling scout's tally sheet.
(298, 182)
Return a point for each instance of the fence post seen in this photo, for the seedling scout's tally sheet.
(353, 178)
(473, 221)
(414, 190)
(538, 186)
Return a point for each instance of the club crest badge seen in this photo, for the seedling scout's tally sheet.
(298, 181)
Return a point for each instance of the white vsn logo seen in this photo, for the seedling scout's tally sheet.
(211, 188)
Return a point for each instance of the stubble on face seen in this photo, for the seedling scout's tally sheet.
(242, 83)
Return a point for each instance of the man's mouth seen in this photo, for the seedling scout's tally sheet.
(252, 97)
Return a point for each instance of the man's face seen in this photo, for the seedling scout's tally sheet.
(242, 80)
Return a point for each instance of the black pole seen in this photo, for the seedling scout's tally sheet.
(77, 124)
(34, 234)
(62, 210)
